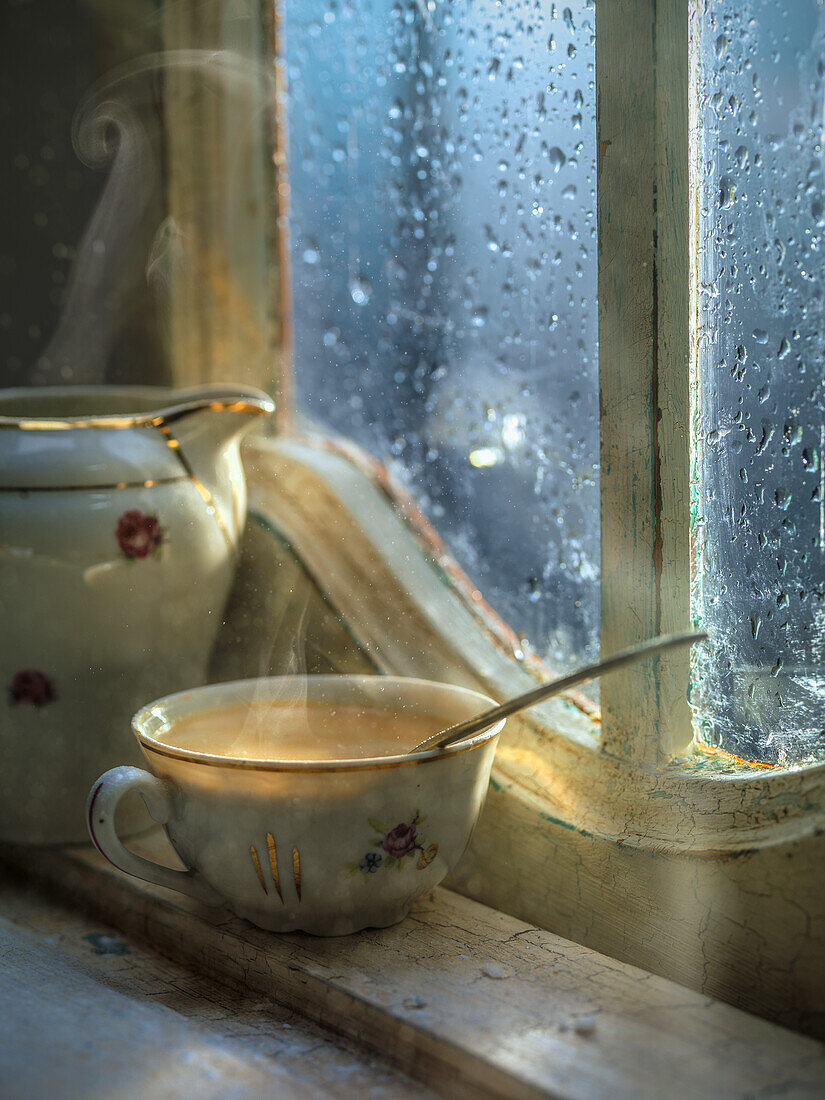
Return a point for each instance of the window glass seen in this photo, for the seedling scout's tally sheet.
(444, 263)
(759, 448)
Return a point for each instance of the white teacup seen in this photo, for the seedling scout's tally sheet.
(322, 845)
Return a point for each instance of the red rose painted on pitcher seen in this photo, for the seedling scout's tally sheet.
(394, 845)
(138, 535)
(31, 686)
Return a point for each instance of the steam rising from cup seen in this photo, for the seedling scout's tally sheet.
(128, 263)
(104, 277)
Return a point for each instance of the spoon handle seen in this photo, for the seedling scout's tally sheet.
(529, 699)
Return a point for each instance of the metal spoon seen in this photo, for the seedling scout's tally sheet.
(489, 717)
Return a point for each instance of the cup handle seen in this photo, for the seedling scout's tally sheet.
(100, 809)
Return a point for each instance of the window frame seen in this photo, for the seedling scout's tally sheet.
(647, 191)
(607, 841)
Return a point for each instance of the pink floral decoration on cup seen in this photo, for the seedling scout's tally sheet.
(400, 840)
(393, 846)
(32, 687)
(138, 535)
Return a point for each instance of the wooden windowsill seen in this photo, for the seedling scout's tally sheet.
(464, 998)
(123, 1021)
(662, 868)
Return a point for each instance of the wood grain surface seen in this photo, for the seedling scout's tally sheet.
(89, 1012)
(464, 998)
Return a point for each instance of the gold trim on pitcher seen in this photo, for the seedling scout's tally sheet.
(102, 488)
(138, 420)
(174, 445)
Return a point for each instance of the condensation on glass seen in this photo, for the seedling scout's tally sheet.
(444, 263)
(759, 519)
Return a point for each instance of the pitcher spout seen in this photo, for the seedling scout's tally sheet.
(212, 416)
(205, 427)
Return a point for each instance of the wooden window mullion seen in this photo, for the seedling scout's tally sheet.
(643, 181)
(225, 196)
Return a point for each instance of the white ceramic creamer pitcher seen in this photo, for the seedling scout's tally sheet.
(121, 509)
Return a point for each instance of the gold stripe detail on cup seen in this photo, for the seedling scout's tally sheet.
(174, 445)
(102, 488)
(296, 871)
(273, 863)
(257, 864)
(306, 767)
